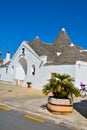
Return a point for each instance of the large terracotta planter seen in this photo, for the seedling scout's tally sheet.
(59, 106)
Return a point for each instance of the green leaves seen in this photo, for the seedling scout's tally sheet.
(61, 86)
(46, 89)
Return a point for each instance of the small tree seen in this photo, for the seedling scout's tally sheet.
(61, 86)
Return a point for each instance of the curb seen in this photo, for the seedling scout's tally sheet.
(61, 122)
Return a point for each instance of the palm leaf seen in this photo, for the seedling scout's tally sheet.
(61, 86)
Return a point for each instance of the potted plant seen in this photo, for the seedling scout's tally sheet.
(29, 84)
(62, 88)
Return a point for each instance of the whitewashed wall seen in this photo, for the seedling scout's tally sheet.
(81, 73)
(15, 69)
(3, 74)
(44, 73)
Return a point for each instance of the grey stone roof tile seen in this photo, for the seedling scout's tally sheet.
(69, 54)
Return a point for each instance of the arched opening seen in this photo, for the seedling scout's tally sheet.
(23, 63)
(21, 72)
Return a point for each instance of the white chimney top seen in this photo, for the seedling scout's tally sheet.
(7, 56)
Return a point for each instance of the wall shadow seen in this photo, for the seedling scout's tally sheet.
(81, 107)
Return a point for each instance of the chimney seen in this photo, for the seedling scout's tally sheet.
(7, 56)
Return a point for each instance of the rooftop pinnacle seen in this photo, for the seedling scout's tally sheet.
(63, 29)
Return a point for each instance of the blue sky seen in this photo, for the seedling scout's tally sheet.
(23, 20)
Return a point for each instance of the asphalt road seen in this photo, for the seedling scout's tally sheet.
(14, 120)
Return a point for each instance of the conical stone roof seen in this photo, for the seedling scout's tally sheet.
(62, 51)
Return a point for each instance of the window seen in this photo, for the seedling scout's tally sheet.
(6, 70)
(33, 69)
(23, 50)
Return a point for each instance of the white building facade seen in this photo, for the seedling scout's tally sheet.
(27, 66)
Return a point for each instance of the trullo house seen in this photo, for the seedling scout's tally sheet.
(35, 61)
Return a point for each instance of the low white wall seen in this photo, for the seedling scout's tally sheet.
(81, 73)
(44, 73)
